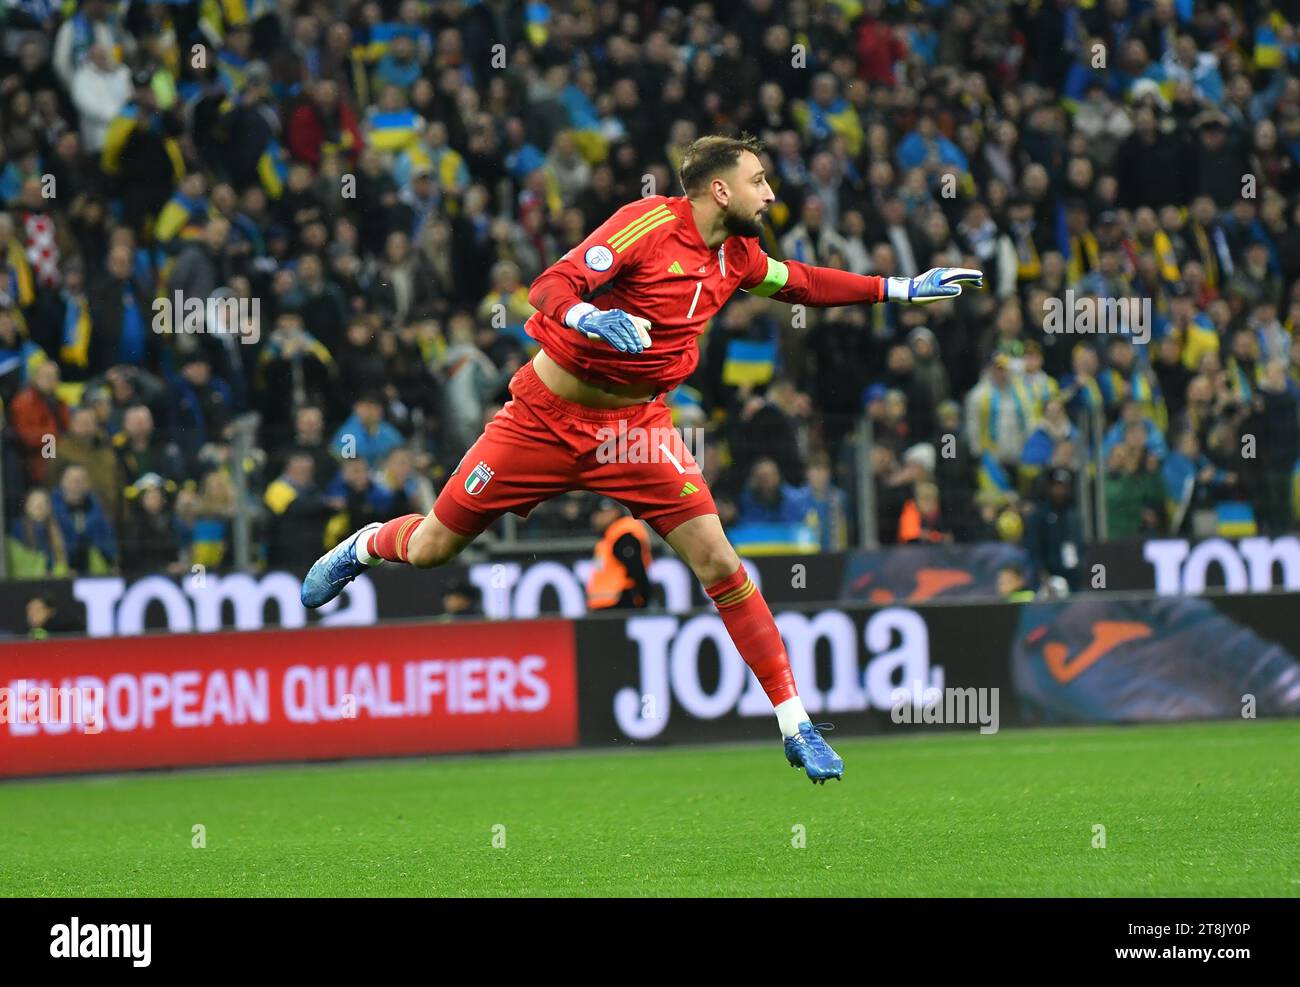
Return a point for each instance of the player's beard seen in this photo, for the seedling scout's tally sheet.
(742, 225)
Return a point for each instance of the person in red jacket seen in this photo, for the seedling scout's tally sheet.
(39, 418)
(879, 48)
(323, 123)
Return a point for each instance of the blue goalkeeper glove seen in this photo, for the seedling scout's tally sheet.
(626, 333)
(934, 285)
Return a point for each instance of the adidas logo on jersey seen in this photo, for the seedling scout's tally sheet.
(675, 268)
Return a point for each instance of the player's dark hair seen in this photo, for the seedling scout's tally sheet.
(709, 156)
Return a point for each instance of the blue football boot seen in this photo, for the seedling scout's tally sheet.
(807, 750)
(335, 569)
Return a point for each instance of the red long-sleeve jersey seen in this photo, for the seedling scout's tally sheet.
(648, 259)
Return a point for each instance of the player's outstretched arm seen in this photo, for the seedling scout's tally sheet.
(934, 285)
(795, 282)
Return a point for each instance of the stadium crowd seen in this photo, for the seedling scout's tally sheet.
(369, 188)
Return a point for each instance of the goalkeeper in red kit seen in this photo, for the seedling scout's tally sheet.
(618, 319)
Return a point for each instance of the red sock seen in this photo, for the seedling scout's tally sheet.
(390, 541)
(753, 631)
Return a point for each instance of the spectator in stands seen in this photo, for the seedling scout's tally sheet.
(321, 302)
(202, 265)
(294, 370)
(766, 498)
(1136, 425)
(929, 373)
(954, 471)
(460, 600)
(470, 378)
(893, 482)
(120, 315)
(19, 357)
(39, 418)
(400, 488)
(894, 428)
(365, 435)
(362, 368)
(1054, 429)
(299, 511)
(354, 497)
(323, 121)
(1209, 483)
(1012, 585)
(1172, 375)
(101, 86)
(142, 156)
(44, 618)
(997, 414)
(140, 449)
(35, 548)
(309, 439)
(763, 429)
(831, 504)
(404, 283)
(85, 444)
(207, 535)
(149, 537)
(1134, 493)
(87, 533)
(204, 407)
(921, 519)
(1276, 435)
(1054, 531)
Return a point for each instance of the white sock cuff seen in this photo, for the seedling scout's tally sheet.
(363, 555)
(789, 715)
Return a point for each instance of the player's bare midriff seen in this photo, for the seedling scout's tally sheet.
(566, 385)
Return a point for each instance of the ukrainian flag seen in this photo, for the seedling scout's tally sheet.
(991, 475)
(182, 217)
(272, 170)
(381, 39)
(1268, 46)
(120, 131)
(394, 131)
(279, 495)
(749, 363)
(774, 538)
(1235, 519)
(21, 287)
(209, 541)
(232, 71)
(74, 349)
(537, 24)
(1179, 476)
(219, 16)
(448, 167)
(452, 171)
(683, 399)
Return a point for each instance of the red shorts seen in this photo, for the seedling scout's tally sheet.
(540, 445)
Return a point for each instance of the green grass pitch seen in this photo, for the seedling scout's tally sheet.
(1188, 810)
